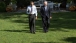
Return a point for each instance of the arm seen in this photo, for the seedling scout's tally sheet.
(36, 12)
(50, 13)
(27, 11)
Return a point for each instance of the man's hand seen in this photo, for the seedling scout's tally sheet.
(50, 17)
(36, 17)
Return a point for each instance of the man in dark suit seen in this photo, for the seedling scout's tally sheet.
(45, 11)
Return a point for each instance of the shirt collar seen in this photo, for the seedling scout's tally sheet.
(32, 6)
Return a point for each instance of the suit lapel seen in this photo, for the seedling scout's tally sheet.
(43, 8)
(47, 7)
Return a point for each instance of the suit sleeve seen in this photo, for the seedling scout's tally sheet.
(50, 12)
(41, 11)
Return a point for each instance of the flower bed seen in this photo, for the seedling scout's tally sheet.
(9, 8)
(72, 8)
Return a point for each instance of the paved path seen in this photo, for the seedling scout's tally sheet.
(24, 11)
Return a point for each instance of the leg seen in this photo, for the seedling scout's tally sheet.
(33, 24)
(44, 24)
(30, 23)
(47, 23)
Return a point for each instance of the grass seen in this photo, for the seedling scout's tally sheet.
(14, 29)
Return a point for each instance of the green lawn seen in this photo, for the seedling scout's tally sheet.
(14, 29)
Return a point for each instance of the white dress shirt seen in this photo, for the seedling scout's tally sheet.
(45, 8)
(32, 10)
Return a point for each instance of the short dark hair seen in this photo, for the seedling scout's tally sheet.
(31, 1)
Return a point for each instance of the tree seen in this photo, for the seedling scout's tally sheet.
(74, 1)
(22, 3)
(63, 4)
(7, 2)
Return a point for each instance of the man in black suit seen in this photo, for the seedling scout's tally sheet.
(45, 11)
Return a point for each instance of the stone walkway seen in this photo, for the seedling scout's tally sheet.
(55, 11)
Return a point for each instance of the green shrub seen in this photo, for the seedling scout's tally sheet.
(2, 7)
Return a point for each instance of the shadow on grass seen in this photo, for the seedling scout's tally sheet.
(11, 15)
(53, 27)
(59, 22)
(46, 42)
(20, 21)
(64, 20)
(71, 39)
(26, 31)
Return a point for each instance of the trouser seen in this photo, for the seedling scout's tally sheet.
(32, 23)
(46, 23)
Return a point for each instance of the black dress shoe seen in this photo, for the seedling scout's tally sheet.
(33, 32)
(30, 31)
(45, 32)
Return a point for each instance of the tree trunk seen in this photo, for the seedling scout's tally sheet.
(74, 1)
(63, 4)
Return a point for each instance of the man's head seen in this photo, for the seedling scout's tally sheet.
(45, 3)
(32, 3)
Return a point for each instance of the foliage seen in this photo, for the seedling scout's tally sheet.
(9, 8)
(14, 1)
(2, 6)
(7, 2)
(72, 8)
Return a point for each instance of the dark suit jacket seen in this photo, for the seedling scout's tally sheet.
(45, 13)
